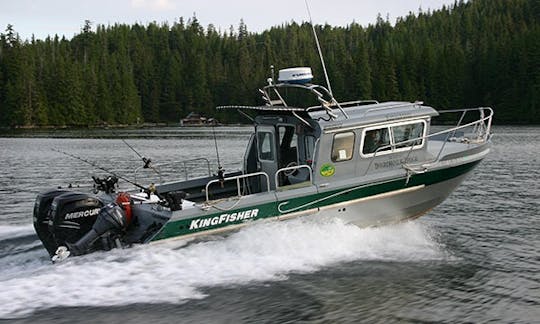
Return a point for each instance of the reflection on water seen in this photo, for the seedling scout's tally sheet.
(472, 259)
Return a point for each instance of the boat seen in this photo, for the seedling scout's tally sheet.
(368, 163)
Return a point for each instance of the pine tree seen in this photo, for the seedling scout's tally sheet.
(472, 53)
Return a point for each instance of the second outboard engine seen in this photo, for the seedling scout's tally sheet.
(71, 216)
(112, 220)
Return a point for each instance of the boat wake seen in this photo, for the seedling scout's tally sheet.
(15, 231)
(166, 273)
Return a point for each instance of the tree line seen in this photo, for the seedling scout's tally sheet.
(469, 54)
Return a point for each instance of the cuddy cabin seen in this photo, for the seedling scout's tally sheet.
(366, 162)
(375, 139)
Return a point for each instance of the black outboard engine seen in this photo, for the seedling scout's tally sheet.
(42, 208)
(112, 220)
(75, 223)
(71, 216)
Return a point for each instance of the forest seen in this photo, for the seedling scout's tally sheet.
(469, 54)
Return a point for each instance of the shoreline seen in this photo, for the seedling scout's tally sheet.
(124, 131)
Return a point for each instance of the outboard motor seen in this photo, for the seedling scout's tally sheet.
(75, 223)
(112, 220)
(42, 209)
(71, 216)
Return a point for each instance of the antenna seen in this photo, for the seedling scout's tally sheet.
(319, 49)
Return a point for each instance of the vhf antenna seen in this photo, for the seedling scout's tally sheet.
(319, 49)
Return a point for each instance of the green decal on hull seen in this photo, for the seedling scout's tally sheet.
(327, 170)
(216, 220)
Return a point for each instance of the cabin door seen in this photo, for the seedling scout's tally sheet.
(267, 153)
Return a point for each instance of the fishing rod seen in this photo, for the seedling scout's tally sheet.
(147, 162)
(144, 159)
(220, 169)
(95, 165)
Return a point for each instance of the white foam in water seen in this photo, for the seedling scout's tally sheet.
(164, 273)
(9, 232)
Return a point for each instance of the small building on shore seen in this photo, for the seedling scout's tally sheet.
(196, 119)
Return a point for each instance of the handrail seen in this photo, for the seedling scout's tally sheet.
(396, 105)
(315, 152)
(183, 162)
(346, 104)
(237, 178)
(489, 118)
(476, 124)
(296, 167)
(480, 121)
(313, 88)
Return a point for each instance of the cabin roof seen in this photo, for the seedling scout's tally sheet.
(361, 115)
(330, 114)
(358, 113)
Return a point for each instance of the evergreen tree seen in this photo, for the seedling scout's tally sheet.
(472, 53)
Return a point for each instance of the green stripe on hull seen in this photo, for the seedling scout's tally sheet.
(347, 194)
(223, 219)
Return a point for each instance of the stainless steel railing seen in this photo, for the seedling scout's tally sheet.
(238, 178)
(481, 129)
(292, 169)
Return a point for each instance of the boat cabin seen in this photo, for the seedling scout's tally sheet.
(327, 144)
(330, 141)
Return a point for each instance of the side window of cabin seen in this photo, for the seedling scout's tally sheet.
(376, 140)
(265, 141)
(393, 138)
(407, 133)
(310, 147)
(343, 147)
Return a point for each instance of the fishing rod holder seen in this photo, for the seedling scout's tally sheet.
(107, 185)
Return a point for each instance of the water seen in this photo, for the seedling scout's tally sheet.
(475, 258)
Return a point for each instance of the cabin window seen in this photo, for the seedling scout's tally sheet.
(343, 147)
(310, 147)
(287, 136)
(266, 145)
(396, 137)
(407, 133)
(376, 140)
(288, 143)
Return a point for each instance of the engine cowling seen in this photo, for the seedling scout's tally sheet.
(112, 219)
(75, 223)
(42, 208)
(72, 215)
